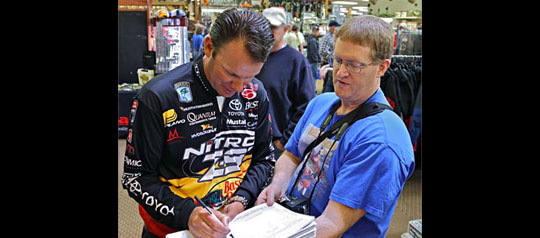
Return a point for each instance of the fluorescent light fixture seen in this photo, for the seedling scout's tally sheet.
(362, 9)
(388, 20)
(212, 10)
(344, 3)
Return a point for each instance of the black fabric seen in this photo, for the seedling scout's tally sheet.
(313, 55)
(287, 78)
(177, 135)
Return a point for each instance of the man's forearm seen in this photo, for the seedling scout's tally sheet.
(284, 170)
(336, 219)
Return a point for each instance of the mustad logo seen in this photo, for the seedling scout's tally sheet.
(226, 150)
(238, 122)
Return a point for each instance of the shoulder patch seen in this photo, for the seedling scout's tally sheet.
(184, 92)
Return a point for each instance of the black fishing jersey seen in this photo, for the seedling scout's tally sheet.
(186, 140)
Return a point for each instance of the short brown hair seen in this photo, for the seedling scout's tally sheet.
(245, 24)
(369, 31)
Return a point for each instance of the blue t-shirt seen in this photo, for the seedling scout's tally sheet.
(366, 169)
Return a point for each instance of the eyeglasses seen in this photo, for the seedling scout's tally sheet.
(351, 67)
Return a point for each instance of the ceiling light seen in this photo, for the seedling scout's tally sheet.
(360, 8)
(344, 3)
(204, 10)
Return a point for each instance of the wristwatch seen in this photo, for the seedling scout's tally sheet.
(238, 198)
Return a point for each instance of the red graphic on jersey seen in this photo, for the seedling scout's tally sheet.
(123, 121)
(249, 94)
(174, 136)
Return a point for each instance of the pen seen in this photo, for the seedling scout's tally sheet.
(207, 209)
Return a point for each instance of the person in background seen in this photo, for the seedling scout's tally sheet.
(287, 78)
(197, 40)
(295, 39)
(313, 55)
(327, 43)
(203, 129)
(359, 180)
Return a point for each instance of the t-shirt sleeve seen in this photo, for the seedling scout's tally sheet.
(370, 178)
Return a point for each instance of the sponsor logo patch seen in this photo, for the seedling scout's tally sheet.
(184, 91)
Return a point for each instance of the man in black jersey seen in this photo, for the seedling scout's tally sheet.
(203, 129)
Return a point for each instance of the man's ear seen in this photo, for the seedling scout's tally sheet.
(208, 46)
(383, 66)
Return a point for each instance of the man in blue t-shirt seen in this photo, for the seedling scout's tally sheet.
(355, 180)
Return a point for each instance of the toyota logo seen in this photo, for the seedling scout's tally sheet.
(235, 105)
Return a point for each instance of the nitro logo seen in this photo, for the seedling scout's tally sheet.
(225, 152)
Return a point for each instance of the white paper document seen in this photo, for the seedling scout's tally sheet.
(275, 221)
(263, 221)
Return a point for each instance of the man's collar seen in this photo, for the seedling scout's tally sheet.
(198, 72)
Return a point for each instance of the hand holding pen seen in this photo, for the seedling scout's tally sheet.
(206, 222)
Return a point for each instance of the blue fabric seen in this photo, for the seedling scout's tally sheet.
(197, 41)
(366, 169)
(315, 71)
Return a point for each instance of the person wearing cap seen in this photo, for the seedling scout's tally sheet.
(327, 43)
(287, 78)
(313, 55)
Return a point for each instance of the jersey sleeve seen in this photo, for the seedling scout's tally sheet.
(376, 174)
(141, 165)
(263, 161)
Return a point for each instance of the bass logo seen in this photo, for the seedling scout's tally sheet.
(184, 92)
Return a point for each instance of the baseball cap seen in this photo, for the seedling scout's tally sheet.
(276, 16)
(333, 23)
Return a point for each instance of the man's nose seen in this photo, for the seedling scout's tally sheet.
(237, 85)
(341, 70)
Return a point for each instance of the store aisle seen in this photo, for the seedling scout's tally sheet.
(409, 206)
(129, 222)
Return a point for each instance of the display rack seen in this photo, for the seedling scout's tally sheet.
(172, 43)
